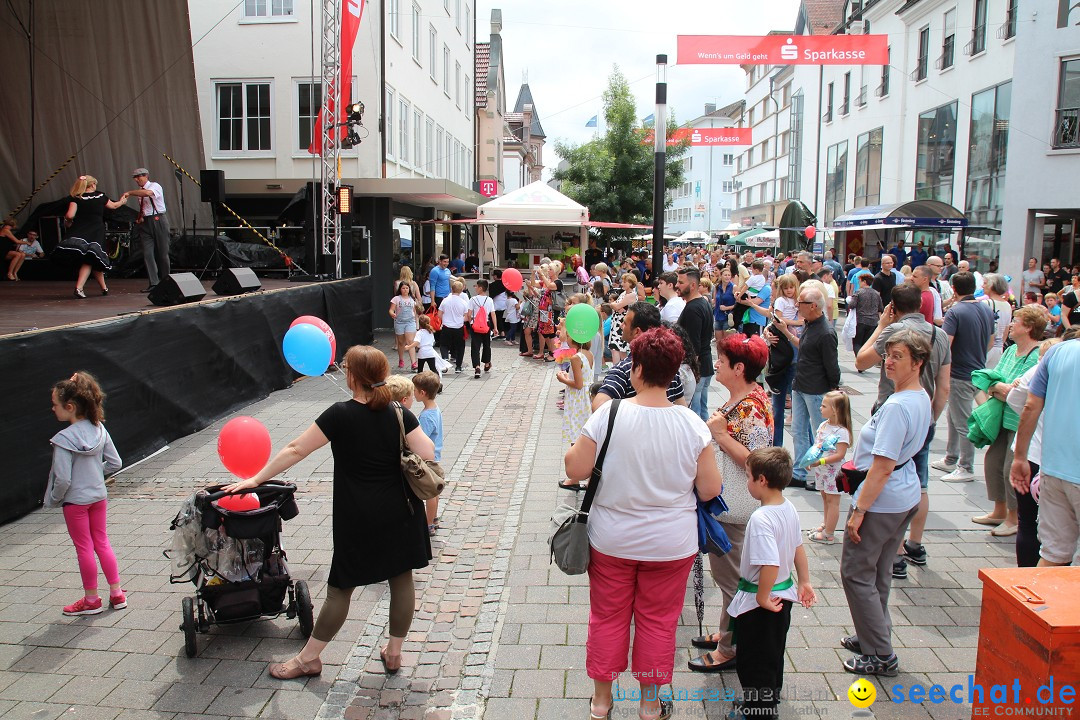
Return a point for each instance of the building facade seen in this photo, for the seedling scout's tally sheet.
(706, 199)
(1042, 209)
(523, 146)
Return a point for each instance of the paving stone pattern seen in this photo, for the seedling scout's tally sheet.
(499, 632)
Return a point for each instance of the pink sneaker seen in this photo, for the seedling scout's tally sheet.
(401, 363)
(84, 606)
(118, 602)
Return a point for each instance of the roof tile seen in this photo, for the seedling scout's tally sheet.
(483, 59)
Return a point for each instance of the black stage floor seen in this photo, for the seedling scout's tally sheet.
(45, 304)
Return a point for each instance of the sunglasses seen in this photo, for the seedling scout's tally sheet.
(805, 302)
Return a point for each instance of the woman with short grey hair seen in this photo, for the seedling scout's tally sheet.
(883, 504)
(996, 288)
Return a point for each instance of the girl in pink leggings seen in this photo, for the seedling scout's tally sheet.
(83, 453)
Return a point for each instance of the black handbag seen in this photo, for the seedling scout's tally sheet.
(570, 543)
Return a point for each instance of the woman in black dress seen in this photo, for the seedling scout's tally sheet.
(380, 527)
(84, 238)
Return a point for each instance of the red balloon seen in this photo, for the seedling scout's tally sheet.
(810, 231)
(321, 324)
(244, 446)
(512, 279)
(239, 503)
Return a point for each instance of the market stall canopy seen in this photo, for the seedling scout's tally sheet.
(769, 238)
(914, 214)
(695, 237)
(535, 204)
(743, 237)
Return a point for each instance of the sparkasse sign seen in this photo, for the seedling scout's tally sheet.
(705, 136)
(783, 50)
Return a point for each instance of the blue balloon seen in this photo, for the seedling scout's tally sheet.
(307, 349)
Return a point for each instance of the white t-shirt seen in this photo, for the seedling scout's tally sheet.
(1016, 399)
(756, 282)
(500, 301)
(645, 508)
(672, 309)
(482, 301)
(511, 315)
(426, 349)
(772, 537)
(453, 310)
(155, 203)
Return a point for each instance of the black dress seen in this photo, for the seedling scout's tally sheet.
(380, 527)
(84, 241)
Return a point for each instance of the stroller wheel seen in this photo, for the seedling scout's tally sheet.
(204, 622)
(304, 608)
(189, 627)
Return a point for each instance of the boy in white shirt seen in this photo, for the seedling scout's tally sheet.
(761, 609)
(452, 313)
(482, 323)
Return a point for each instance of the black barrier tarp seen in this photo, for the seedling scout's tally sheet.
(167, 373)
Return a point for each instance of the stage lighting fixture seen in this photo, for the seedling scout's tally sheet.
(344, 199)
(356, 112)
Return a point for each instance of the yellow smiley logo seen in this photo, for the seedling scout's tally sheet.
(862, 693)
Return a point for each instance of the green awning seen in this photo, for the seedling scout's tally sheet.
(740, 239)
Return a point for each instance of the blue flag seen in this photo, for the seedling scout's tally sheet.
(649, 121)
(592, 121)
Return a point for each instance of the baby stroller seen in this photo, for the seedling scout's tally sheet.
(236, 562)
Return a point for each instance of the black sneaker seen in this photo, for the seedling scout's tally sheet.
(851, 642)
(915, 554)
(899, 569)
(873, 665)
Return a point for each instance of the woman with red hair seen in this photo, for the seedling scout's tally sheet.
(643, 523)
(743, 424)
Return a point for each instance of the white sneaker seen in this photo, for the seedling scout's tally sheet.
(943, 465)
(958, 475)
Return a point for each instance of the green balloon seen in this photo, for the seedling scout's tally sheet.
(582, 323)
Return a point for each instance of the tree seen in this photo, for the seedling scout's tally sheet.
(612, 175)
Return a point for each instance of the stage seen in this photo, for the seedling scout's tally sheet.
(167, 371)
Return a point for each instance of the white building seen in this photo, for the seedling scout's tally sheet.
(258, 78)
(1041, 204)
(706, 199)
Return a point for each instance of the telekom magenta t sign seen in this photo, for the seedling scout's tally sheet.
(783, 50)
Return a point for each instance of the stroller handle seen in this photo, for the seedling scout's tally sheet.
(215, 493)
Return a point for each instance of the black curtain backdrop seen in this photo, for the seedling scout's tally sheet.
(167, 373)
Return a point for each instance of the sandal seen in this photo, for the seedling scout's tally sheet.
(549, 358)
(299, 669)
(605, 716)
(392, 663)
(538, 357)
(819, 536)
(524, 354)
(706, 642)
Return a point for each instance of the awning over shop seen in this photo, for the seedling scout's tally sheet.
(741, 238)
(916, 214)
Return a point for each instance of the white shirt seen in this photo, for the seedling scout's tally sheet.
(453, 310)
(670, 266)
(426, 349)
(152, 205)
(1016, 399)
(937, 303)
(672, 309)
(512, 315)
(500, 301)
(482, 301)
(772, 537)
(645, 508)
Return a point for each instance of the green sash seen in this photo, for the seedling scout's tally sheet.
(747, 586)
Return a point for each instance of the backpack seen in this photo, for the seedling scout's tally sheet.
(479, 322)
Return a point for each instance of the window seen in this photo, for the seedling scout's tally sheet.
(827, 117)
(388, 123)
(750, 157)
(764, 150)
(847, 94)
(836, 180)
(978, 30)
(468, 96)
(457, 84)
(268, 8)
(394, 8)
(416, 33)
(1008, 30)
(868, 168)
(729, 186)
(418, 145)
(308, 103)
(751, 115)
(987, 151)
(924, 54)
(949, 41)
(403, 129)
(433, 49)
(429, 144)
(883, 88)
(446, 6)
(457, 14)
(468, 26)
(729, 159)
(1067, 121)
(243, 114)
(446, 69)
(439, 152)
(936, 154)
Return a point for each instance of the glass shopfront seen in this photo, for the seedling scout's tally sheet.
(936, 155)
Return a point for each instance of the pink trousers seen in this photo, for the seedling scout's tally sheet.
(86, 525)
(652, 593)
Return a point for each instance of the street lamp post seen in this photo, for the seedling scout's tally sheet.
(660, 146)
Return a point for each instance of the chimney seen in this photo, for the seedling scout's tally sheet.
(496, 21)
(710, 108)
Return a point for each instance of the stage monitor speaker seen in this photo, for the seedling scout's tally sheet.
(236, 281)
(213, 185)
(176, 289)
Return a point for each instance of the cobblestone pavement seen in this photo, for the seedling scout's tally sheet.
(499, 633)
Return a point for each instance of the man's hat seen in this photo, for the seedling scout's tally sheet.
(139, 171)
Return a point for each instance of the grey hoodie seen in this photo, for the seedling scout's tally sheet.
(83, 454)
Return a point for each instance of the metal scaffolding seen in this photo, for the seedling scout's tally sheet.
(330, 223)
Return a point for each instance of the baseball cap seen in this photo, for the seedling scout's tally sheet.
(139, 171)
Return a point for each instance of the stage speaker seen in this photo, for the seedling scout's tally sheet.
(176, 289)
(213, 185)
(236, 281)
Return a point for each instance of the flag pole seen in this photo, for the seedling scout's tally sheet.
(660, 148)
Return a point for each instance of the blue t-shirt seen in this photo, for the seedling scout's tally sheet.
(765, 295)
(918, 257)
(900, 254)
(1055, 315)
(853, 276)
(431, 424)
(1055, 382)
(896, 431)
(440, 280)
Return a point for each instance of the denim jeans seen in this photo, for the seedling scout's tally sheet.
(922, 460)
(806, 417)
(700, 401)
(779, 401)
